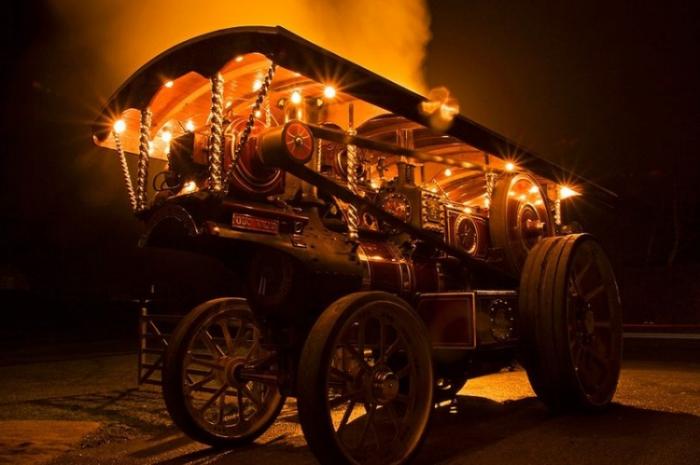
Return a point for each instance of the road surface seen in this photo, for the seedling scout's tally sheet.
(89, 411)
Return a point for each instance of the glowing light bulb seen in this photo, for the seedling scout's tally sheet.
(189, 187)
(522, 197)
(119, 126)
(229, 103)
(467, 210)
(189, 126)
(296, 97)
(329, 92)
(239, 58)
(257, 113)
(167, 136)
(534, 190)
(169, 84)
(257, 84)
(565, 192)
(538, 202)
(511, 193)
(510, 166)
(448, 172)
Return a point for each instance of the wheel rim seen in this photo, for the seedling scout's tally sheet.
(218, 398)
(375, 392)
(594, 324)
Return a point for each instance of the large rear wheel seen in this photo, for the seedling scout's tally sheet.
(571, 323)
(219, 382)
(365, 381)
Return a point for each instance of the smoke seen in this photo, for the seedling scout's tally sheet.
(386, 36)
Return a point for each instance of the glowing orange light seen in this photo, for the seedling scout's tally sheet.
(329, 92)
(189, 187)
(119, 126)
(522, 197)
(257, 113)
(448, 172)
(296, 97)
(189, 126)
(467, 210)
(510, 166)
(167, 136)
(239, 58)
(534, 190)
(257, 84)
(565, 192)
(169, 84)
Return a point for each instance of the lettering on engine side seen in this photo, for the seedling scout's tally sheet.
(254, 223)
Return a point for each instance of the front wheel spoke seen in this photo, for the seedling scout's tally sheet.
(252, 350)
(578, 276)
(249, 394)
(211, 345)
(213, 398)
(382, 339)
(227, 337)
(361, 337)
(263, 362)
(346, 415)
(206, 362)
(393, 417)
(341, 399)
(403, 372)
(240, 333)
(239, 397)
(391, 350)
(358, 356)
(599, 359)
(222, 406)
(196, 385)
(593, 293)
(368, 420)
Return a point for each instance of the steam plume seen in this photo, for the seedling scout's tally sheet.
(386, 36)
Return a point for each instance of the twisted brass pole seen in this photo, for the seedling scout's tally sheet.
(144, 149)
(217, 133)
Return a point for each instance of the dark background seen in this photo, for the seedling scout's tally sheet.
(607, 89)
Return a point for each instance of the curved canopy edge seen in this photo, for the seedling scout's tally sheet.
(208, 53)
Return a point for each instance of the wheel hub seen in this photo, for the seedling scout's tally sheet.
(385, 385)
(232, 369)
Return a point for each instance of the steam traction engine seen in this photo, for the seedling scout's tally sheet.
(387, 248)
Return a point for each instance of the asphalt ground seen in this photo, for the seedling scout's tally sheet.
(80, 409)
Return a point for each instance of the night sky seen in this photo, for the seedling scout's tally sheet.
(609, 90)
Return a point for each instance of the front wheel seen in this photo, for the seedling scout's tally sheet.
(571, 323)
(209, 383)
(365, 381)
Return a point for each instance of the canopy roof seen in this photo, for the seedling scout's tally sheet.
(175, 85)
